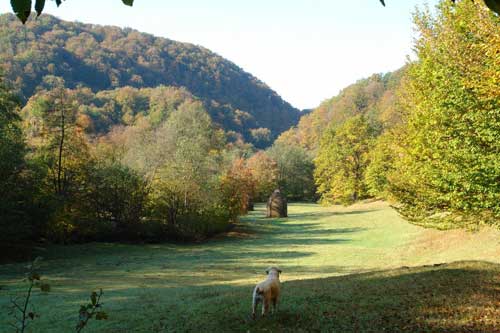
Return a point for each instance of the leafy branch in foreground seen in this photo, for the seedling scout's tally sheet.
(24, 313)
(22, 8)
(22, 308)
(91, 310)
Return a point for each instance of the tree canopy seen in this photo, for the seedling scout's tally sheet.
(342, 161)
(449, 145)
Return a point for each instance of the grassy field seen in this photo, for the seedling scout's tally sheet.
(359, 269)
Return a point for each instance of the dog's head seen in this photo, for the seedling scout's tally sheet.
(273, 270)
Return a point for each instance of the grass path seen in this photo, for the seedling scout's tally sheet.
(164, 288)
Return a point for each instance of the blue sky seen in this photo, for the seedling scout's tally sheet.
(306, 50)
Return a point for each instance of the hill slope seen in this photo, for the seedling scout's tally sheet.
(374, 97)
(105, 58)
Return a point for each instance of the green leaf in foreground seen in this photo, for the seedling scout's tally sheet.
(39, 5)
(101, 315)
(22, 9)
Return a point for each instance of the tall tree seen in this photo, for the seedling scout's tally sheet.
(12, 146)
(265, 173)
(56, 132)
(238, 187)
(182, 160)
(381, 165)
(342, 160)
(12, 164)
(295, 171)
(449, 148)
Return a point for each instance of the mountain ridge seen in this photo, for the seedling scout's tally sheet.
(107, 57)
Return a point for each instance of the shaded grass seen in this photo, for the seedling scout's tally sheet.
(170, 288)
(457, 297)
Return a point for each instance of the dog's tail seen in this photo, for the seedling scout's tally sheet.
(257, 297)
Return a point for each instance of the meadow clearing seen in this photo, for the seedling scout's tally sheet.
(359, 268)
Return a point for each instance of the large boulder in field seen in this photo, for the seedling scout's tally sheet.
(277, 205)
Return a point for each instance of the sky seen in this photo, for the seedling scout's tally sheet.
(305, 50)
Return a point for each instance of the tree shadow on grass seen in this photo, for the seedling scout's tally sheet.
(282, 234)
(321, 215)
(246, 235)
(457, 297)
(259, 216)
(259, 243)
(460, 297)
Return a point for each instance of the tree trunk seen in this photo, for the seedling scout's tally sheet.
(61, 146)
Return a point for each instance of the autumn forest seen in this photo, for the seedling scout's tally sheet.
(113, 136)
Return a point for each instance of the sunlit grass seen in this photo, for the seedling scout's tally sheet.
(172, 287)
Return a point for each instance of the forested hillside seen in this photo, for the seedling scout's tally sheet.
(98, 113)
(340, 134)
(106, 58)
(373, 97)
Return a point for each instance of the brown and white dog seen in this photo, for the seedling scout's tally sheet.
(267, 292)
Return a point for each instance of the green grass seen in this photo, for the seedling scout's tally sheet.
(360, 268)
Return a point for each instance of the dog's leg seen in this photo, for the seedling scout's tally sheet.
(255, 302)
(254, 307)
(275, 305)
(265, 307)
